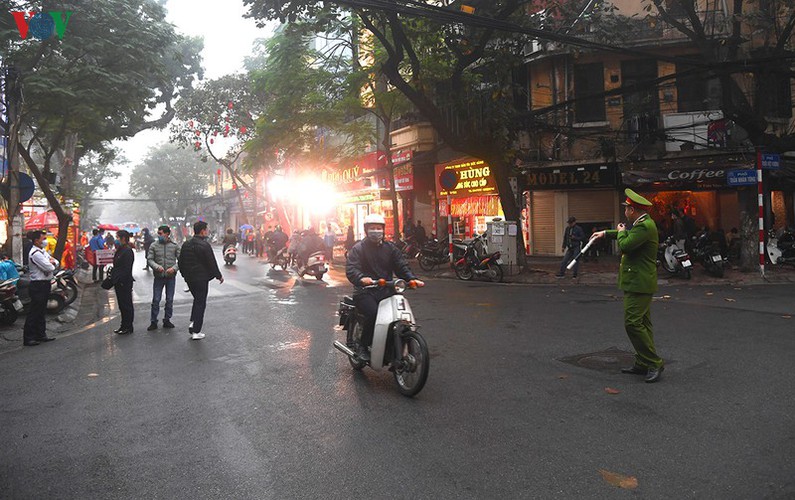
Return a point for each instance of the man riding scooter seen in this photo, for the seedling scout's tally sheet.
(369, 260)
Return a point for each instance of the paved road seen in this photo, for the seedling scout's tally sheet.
(264, 407)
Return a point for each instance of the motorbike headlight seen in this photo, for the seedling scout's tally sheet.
(400, 286)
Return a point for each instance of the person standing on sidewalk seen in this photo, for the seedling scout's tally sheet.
(97, 243)
(198, 266)
(122, 277)
(41, 266)
(163, 257)
(572, 243)
(637, 276)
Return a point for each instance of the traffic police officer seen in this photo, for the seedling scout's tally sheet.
(637, 277)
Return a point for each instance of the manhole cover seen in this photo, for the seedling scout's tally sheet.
(610, 360)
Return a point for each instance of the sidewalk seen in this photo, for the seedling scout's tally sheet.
(542, 270)
(89, 306)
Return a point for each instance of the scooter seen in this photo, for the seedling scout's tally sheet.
(65, 279)
(435, 253)
(56, 302)
(230, 255)
(315, 266)
(479, 263)
(674, 259)
(281, 259)
(781, 248)
(397, 345)
(10, 305)
(708, 253)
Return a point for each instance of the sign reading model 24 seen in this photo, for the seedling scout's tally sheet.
(42, 25)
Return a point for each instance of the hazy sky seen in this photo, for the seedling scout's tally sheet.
(228, 38)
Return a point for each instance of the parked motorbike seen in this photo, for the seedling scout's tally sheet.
(781, 248)
(397, 345)
(707, 251)
(230, 255)
(65, 279)
(10, 305)
(673, 259)
(315, 266)
(477, 261)
(436, 252)
(56, 302)
(409, 247)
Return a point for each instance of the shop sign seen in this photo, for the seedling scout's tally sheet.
(583, 177)
(681, 177)
(404, 178)
(474, 178)
(402, 156)
(744, 177)
(360, 197)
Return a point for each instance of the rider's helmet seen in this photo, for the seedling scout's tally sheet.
(374, 225)
(374, 219)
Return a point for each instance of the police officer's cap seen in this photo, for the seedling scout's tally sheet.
(636, 200)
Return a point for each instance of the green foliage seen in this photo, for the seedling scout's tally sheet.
(173, 178)
(309, 95)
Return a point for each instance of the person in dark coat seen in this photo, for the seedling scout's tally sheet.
(198, 266)
(350, 240)
(148, 240)
(572, 243)
(369, 260)
(123, 280)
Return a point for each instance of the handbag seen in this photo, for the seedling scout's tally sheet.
(107, 283)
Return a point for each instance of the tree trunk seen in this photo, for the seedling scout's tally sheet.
(64, 217)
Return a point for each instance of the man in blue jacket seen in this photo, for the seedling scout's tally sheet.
(97, 242)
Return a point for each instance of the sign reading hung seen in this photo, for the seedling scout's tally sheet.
(474, 179)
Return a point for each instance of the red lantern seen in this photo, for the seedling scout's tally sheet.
(211, 141)
(243, 130)
(198, 132)
(190, 124)
(231, 105)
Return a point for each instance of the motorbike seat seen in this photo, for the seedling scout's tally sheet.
(347, 300)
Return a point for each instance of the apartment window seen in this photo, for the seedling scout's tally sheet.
(775, 95)
(589, 81)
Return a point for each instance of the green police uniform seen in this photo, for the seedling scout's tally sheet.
(637, 277)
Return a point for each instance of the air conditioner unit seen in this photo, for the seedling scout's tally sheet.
(532, 47)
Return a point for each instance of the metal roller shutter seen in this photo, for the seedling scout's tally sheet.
(543, 222)
(592, 206)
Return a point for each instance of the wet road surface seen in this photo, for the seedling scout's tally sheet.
(264, 407)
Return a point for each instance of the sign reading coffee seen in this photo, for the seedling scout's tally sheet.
(691, 178)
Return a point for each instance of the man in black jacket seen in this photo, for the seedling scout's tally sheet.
(369, 260)
(198, 266)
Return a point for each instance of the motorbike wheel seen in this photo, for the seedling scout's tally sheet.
(356, 333)
(495, 273)
(319, 276)
(9, 316)
(426, 263)
(687, 273)
(463, 272)
(415, 363)
(71, 293)
(717, 269)
(55, 303)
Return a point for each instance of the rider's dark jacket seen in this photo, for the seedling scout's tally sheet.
(376, 261)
